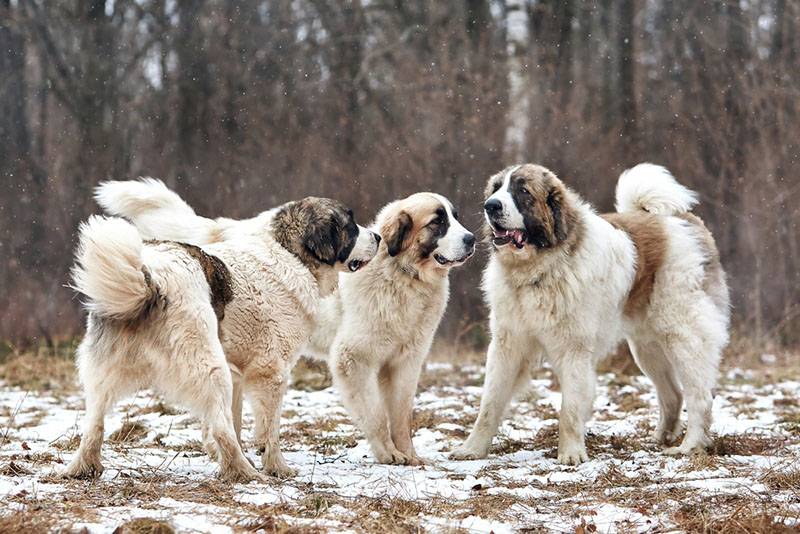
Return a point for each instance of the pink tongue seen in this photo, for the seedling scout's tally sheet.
(517, 236)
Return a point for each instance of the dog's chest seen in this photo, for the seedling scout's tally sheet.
(399, 314)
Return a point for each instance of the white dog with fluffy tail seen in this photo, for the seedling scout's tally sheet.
(204, 326)
(566, 284)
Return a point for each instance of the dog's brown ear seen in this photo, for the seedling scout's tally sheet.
(555, 201)
(397, 233)
(322, 240)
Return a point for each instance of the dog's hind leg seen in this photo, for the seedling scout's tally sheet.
(103, 387)
(696, 368)
(87, 460)
(507, 365)
(206, 386)
(653, 362)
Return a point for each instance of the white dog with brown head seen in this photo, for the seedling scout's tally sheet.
(202, 325)
(566, 285)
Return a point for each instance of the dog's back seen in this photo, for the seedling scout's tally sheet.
(655, 211)
(156, 211)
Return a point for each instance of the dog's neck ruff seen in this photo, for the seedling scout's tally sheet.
(287, 268)
(544, 264)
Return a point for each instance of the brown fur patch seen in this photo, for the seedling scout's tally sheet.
(318, 231)
(650, 239)
(217, 275)
(153, 299)
(714, 283)
(405, 229)
(545, 204)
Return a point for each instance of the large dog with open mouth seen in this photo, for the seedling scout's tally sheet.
(200, 325)
(566, 284)
(376, 331)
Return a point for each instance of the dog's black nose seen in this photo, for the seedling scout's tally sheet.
(469, 240)
(377, 238)
(493, 206)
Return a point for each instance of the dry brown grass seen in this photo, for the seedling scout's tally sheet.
(28, 521)
(331, 435)
(68, 444)
(13, 469)
(129, 432)
(144, 525)
(41, 370)
(738, 516)
(782, 480)
(748, 444)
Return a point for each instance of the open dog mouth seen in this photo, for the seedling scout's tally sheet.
(355, 265)
(504, 237)
(441, 260)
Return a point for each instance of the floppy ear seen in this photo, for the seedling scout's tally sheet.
(396, 233)
(555, 201)
(322, 241)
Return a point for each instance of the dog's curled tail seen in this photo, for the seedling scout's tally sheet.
(155, 210)
(652, 188)
(110, 272)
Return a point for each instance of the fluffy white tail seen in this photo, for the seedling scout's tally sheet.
(156, 211)
(651, 188)
(109, 269)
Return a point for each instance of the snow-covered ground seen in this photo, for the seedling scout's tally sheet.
(158, 471)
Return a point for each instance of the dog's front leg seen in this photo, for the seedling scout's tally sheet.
(266, 389)
(356, 378)
(576, 375)
(399, 390)
(506, 370)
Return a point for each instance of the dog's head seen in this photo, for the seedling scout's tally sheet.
(323, 233)
(423, 234)
(527, 209)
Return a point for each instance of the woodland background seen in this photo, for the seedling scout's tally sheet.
(243, 105)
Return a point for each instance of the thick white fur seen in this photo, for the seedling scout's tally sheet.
(567, 309)
(375, 332)
(109, 268)
(158, 211)
(179, 349)
(652, 188)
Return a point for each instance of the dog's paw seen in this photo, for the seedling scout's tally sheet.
(664, 436)
(413, 459)
(573, 456)
(243, 475)
(391, 456)
(468, 453)
(82, 470)
(280, 470)
(683, 450)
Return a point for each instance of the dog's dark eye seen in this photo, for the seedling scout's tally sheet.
(496, 186)
(350, 214)
(524, 192)
(455, 214)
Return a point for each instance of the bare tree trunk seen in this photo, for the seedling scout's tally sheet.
(22, 179)
(627, 90)
(518, 80)
(194, 88)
